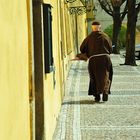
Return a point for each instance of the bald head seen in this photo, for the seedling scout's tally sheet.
(96, 26)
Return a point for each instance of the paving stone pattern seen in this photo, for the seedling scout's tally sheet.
(81, 118)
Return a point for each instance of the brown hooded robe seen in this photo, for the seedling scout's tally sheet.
(97, 46)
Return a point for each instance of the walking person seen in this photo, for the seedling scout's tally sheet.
(97, 46)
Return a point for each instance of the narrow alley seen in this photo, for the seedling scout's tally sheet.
(81, 118)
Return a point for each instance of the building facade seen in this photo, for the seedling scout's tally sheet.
(38, 40)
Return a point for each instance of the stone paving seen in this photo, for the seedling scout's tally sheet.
(81, 118)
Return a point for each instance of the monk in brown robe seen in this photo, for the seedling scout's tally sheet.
(97, 46)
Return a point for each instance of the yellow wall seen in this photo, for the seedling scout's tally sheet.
(53, 95)
(16, 69)
(81, 28)
(14, 94)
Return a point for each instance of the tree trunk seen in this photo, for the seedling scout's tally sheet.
(116, 29)
(130, 34)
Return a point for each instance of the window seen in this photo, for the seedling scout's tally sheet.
(47, 23)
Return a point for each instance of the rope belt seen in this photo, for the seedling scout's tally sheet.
(97, 55)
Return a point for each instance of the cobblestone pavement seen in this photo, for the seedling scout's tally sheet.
(81, 118)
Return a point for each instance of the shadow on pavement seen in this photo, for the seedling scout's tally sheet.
(85, 102)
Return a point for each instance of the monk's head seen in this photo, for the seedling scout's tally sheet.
(96, 26)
